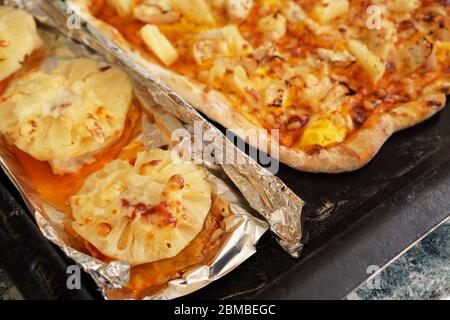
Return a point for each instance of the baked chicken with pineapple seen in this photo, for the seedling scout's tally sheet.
(142, 212)
(68, 115)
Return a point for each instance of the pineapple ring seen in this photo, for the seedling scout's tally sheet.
(73, 112)
(144, 212)
(18, 39)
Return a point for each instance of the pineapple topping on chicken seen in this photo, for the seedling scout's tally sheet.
(159, 44)
(76, 110)
(144, 212)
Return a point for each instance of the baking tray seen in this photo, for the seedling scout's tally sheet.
(352, 221)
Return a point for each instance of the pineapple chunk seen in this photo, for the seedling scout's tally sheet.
(295, 15)
(67, 115)
(216, 73)
(273, 26)
(226, 41)
(335, 56)
(196, 11)
(159, 44)
(123, 7)
(207, 50)
(236, 43)
(240, 81)
(367, 60)
(239, 10)
(328, 10)
(18, 39)
(420, 54)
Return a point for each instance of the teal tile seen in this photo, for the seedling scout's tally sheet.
(421, 273)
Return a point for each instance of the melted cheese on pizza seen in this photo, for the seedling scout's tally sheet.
(294, 65)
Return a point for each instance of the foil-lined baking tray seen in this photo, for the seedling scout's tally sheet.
(266, 193)
(241, 230)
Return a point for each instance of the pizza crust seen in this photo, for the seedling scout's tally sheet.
(352, 154)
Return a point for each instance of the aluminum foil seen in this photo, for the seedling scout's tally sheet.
(266, 193)
(242, 229)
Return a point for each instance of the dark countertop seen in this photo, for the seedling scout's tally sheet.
(421, 273)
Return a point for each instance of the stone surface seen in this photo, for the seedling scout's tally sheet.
(421, 273)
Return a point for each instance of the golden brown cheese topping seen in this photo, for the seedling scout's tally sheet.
(315, 70)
